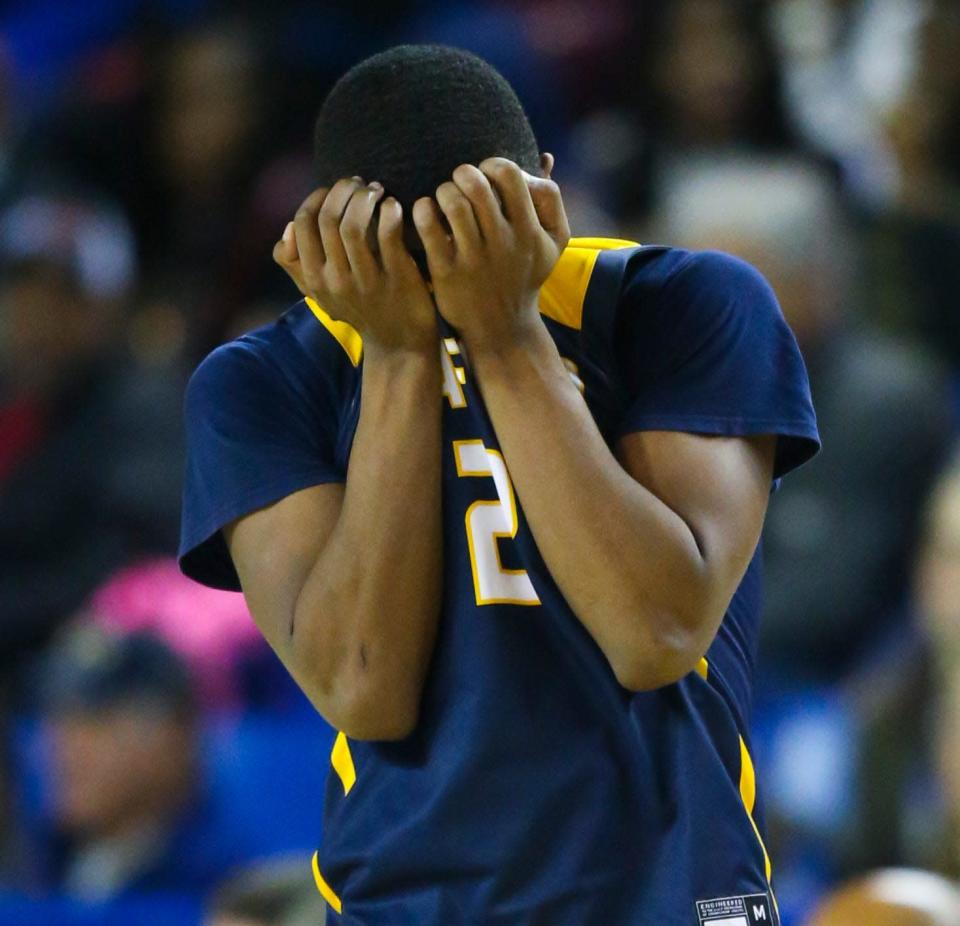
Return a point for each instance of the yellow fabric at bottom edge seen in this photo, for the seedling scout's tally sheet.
(325, 890)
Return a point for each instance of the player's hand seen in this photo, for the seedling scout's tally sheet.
(354, 263)
(506, 231)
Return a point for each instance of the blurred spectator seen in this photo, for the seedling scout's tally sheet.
(892, 898)
(705, 81)
(923, 127)
(188, 149)
(715, 77)
(83, 430)
(906, 698)
(202, 152)
(277, 893)
(211, 630)
(847, 64)
(838, 537)
(129, 811)
(914, 273)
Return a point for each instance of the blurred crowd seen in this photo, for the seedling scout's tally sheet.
(157, 766)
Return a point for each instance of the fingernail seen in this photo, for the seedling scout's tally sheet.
(376, 187)
(288, 232)
(358, 179)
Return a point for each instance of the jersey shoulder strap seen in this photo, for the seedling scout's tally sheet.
(564, 295)
(345, 335)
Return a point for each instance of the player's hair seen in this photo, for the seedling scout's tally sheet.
(409, 116)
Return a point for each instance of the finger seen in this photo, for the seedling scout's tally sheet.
(292, 268)
(354, 229)
(473, 183)
(548, 203)
(307, 240)
(460, 216)
(507, 179)
(285, 250)
(331, 215)
(436, 241)
(288, 244)
(397, 260)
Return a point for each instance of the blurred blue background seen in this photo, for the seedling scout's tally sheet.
(151, 154)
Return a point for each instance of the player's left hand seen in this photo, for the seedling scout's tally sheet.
(506, 231)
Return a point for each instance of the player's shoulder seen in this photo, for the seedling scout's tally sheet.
(644, 291)
(299, 349)
(670, 273)
(235, 360)
(668, 293)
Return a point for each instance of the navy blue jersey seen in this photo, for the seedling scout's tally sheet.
(535, 789)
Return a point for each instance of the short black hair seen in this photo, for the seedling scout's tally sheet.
(409, 116)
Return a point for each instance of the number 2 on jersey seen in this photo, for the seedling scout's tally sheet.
(489, 522)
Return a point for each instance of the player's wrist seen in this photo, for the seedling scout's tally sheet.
(411, 339)
(526, 334)
(403, 353)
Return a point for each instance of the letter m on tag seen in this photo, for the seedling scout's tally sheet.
(758, 909)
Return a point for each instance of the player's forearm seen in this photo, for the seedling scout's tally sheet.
(366, 618)
(627, 564)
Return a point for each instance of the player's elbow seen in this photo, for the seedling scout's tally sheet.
(369, 698)
(648, 674)
(366, 710)
(385, 724)
(363, 686)
(658, 656)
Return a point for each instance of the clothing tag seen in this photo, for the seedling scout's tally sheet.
(747, 910)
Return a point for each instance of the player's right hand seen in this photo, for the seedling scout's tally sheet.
(353, 261)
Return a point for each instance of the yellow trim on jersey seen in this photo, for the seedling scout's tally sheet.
(748, 790)
(326, 891)
(748, 779)
(342, 762)
(561, 297)
(346, 335)
(748, 794)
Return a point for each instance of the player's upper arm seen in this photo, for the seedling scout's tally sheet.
(717, 407)
(274, 550)
(719, 487)
(263, 488)
(254, 437)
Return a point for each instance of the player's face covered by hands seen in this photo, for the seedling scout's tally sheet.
(503, 234)
(351, 258)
